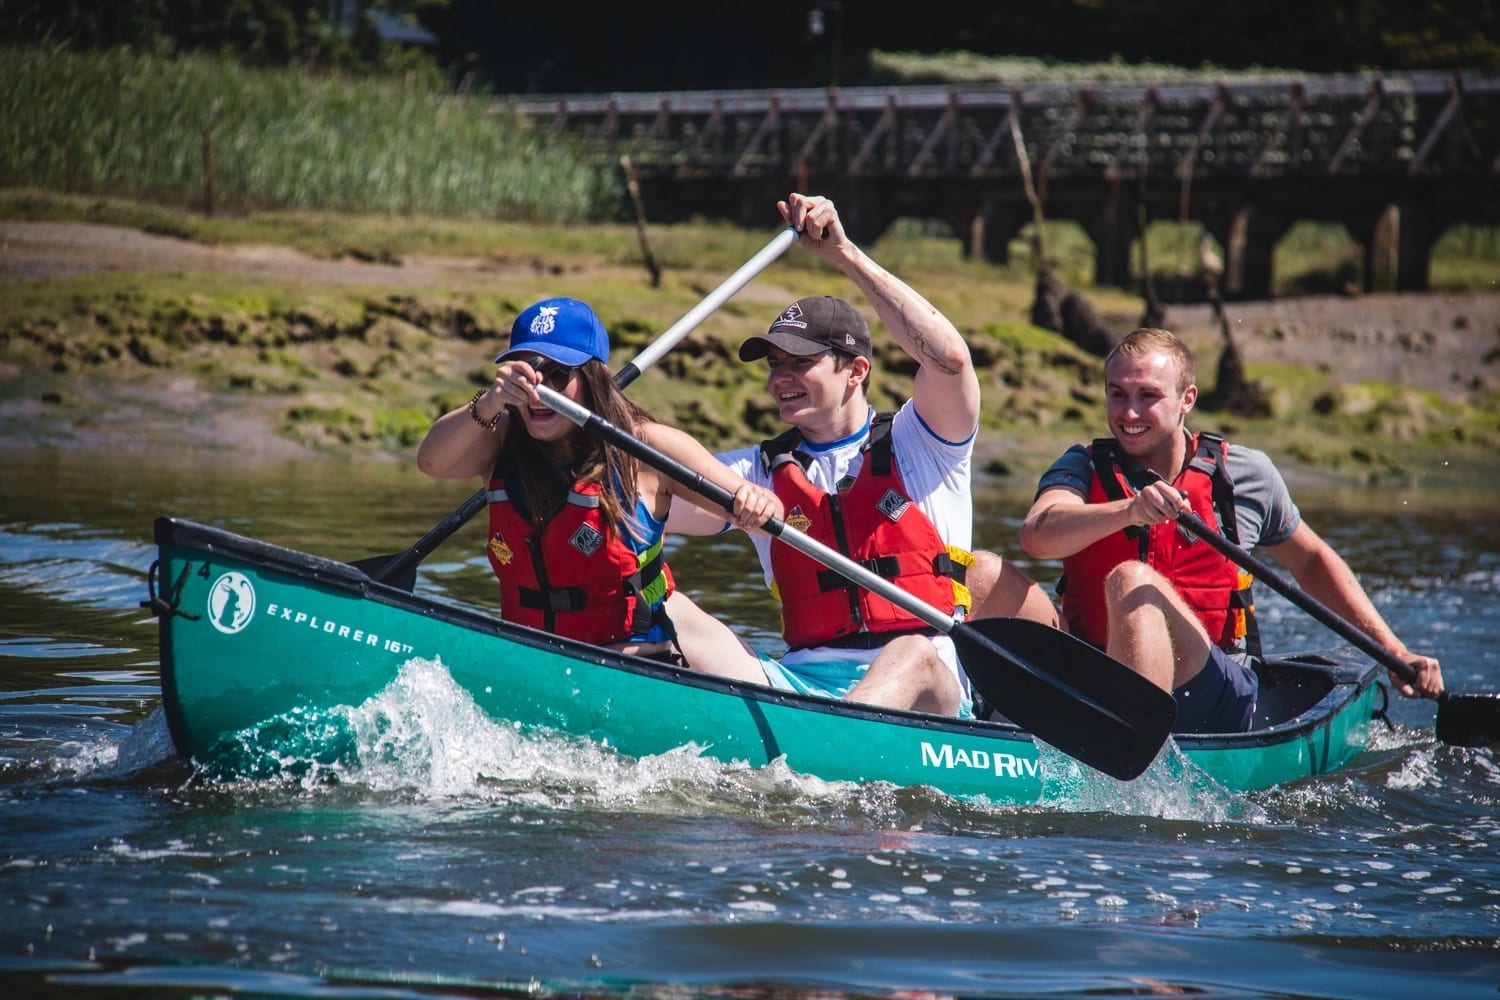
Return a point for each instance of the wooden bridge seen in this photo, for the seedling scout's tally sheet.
(1397, 159)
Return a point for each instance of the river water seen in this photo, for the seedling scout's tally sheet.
(470, 860)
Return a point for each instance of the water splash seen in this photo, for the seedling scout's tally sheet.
(1172, 788)
(104, 754)
(424, 735)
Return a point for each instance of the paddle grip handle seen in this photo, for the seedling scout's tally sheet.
(712, 301)
(1289, 589)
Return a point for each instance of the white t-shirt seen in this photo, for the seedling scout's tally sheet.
(937, 474)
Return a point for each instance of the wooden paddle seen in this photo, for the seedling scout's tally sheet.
(400, 570)
(1054, 685)
(1466, 720)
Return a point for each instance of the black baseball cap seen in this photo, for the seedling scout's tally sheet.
(810, 326)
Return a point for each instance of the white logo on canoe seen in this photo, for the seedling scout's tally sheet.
(231, 602)
(1005, 765)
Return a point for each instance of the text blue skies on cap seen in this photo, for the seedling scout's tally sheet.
(562, 330)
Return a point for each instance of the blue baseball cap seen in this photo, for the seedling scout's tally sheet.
(562, 330)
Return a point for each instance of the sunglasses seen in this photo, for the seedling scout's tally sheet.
(556, 376)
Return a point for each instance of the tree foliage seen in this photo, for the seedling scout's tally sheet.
(255, 32)
(688, 44)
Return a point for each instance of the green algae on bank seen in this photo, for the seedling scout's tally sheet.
(341, 367)
(338, 356)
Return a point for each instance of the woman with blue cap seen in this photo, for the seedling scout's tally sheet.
(576, 525)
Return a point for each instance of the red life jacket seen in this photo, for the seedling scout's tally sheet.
(873, 521)
(1210, 584)
(575, 577)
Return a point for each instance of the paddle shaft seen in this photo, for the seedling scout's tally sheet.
(717, 494)
(394, 567)
(712, 301)
(400, 565)
(1289, 589)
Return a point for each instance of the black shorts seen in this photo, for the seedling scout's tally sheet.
(1220, 699)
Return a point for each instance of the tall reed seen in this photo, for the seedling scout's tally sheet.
(126, 123)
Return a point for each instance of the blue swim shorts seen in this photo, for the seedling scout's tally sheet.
(831, 672)
(1220, 699)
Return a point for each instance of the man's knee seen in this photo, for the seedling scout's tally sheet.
(1000, 590)
(984, 576)
(921, 670)
(915, 657)
(910, 649)
(1132, 580)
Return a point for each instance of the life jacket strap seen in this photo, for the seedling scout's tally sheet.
(885, 567)
(643, 617)
(889, 567)
(553, 599)
(952, 564)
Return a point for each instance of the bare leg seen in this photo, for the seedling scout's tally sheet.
(908, 673)
(709, 645)
(1151, 628)
(1002, 591)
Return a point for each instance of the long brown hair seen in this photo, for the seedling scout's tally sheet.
(544, 485)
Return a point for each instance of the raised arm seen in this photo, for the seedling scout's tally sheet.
(458, 445)
(946, 390)
(464, 442)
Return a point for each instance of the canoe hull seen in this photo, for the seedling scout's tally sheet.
(252, 633)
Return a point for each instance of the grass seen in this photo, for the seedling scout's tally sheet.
(208, 132)
(394, 169)
(384, 168)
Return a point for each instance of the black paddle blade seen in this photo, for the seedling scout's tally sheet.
(1067, 693)
(405, 577)
(1469, 720)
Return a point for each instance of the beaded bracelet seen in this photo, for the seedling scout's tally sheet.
(489, 424)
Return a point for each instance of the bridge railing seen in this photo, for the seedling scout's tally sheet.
(1432, 123)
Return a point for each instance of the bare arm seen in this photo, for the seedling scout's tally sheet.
(946, 390)
(687, 518)
(1322, 572)
(1060, 523)
(458, 448)
(753, 505)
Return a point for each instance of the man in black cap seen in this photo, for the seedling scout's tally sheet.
(889, 490)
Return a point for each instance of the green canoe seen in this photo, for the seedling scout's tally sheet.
(255, 637)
